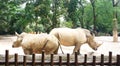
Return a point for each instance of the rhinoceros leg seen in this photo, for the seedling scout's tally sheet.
(78, 52)
(56, 51)
(77, 48)
(27, 52)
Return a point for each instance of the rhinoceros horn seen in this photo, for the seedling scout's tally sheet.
(16, 34)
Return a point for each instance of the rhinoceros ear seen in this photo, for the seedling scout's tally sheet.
(16, 34)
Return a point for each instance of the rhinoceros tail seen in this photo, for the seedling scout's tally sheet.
(58, 37)
(60, 46)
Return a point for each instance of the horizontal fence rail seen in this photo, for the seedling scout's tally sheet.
(61, 60)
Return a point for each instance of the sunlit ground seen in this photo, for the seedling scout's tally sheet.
(106, 47)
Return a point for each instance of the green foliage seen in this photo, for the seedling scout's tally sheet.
(44, 15)
(88, 16)
(7, 12)
(32, 27)
(72, 12)
(3, 25)
(104, 16)
(67, 24)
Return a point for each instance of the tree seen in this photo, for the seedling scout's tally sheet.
(94, 15)
(55, 6)
(115, 33)
(72, 14)
(104, 16)
(58, 10)
(7, 13)
(81, 13)
(12, 16)
(44, 15)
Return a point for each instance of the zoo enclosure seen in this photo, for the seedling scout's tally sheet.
(60, 62)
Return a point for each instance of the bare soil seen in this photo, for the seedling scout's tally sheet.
(107, 46)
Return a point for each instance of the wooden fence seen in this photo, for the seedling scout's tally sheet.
(60, 62)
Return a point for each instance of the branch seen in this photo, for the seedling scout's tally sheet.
(117, 2)
(92, 2)
(80, 2)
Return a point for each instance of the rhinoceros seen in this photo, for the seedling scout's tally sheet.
(74, 37)
(35, 43)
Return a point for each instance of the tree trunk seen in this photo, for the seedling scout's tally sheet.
(54, 17)
(94, 16)
(115, 33)
(82, 11)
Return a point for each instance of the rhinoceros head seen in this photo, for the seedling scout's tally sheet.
(94, 45)
(19, 39)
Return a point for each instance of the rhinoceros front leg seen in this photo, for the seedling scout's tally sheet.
(77, 49)
(56, 51)
(28, 52)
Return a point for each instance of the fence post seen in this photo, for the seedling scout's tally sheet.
(33, 59)
(94, 61)
(51, 61)
(101, 63)
(16, 59)
(118, 60)
(76, 59)
(42, 59)
(85, 60)
(110, 58)
(24, 60)
(60, 60)
(102, 60)
(68, 59)
(6, 58)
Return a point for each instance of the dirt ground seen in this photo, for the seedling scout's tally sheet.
(106, 47)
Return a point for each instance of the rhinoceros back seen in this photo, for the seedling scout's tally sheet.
(69, 37)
